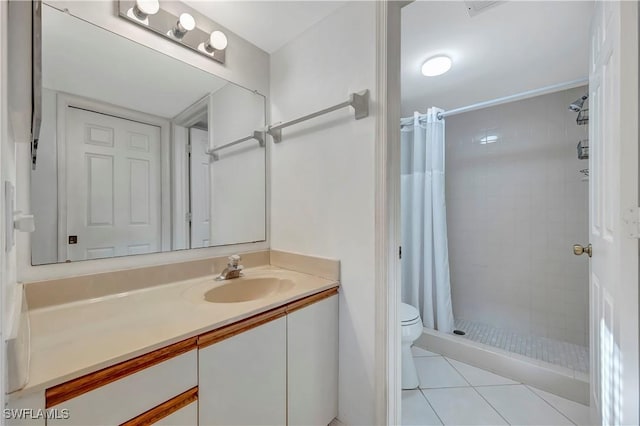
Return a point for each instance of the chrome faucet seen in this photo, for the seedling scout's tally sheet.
(233, 269)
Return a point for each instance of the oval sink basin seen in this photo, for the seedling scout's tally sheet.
(246, 289)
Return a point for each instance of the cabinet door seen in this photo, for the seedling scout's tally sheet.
(243, 379)
(312, 358)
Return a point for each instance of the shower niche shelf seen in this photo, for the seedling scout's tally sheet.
(583, 117)
(583, 149)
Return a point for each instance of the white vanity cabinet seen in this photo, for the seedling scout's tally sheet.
(243, 378)
(276, 368)
(312, 363)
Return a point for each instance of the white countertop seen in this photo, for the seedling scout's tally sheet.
(68, 341)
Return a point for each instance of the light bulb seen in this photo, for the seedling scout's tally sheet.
(143, 8)
(217, 41)
(185, 24)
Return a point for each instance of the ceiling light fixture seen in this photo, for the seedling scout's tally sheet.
(437, 65)
(185, 24)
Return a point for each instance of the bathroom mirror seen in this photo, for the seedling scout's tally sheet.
(124, 161)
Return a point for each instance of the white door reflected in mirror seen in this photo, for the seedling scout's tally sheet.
(113, 197)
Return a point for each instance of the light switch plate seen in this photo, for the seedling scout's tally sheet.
(9, 192)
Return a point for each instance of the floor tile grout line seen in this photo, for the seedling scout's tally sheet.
(445, 387)
(432, 409)
(469, 383)
(456, 370)
(550, 404)
(491, 372)
(423, 356)
(491, 405)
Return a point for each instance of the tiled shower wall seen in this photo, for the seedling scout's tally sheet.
(515, 207)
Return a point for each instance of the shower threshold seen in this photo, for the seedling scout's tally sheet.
(564, 354)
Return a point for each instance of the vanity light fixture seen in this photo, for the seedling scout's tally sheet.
(185, 24)
(217, 41)
(437, 65)
(177, 22)
(142, 9)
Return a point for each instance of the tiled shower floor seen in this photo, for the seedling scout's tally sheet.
(565, 354)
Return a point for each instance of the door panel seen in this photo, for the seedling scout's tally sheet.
(613, 188)
(113, 195)
(243, 380)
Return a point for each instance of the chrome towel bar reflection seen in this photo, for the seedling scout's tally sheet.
(359, 101)
(259, 136)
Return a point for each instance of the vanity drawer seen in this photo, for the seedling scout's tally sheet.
(186, 416)
(179, 411)
(124, 391)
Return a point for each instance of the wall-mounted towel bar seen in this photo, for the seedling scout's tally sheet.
(259, 136)
(359, 101)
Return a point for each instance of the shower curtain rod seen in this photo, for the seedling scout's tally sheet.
(516, 97)
(511, 98)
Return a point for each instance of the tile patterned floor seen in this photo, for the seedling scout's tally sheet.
(454, 393)
(565, 354)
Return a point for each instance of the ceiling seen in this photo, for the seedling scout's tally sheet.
(508, 48)
(267, 24)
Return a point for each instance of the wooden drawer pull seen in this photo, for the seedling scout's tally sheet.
(246, 324)
(310, 300)
(165, 409)
(81, 385)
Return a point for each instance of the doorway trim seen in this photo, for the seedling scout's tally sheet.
(180, 196)
(387, 212)
(64, 101)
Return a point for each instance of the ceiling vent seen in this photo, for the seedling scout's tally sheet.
(475, 7)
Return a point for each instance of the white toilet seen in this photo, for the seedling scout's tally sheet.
(411, 330)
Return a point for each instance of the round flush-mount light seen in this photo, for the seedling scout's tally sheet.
(437, 65)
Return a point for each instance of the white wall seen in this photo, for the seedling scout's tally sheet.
(15, 106)
(238, 196)
(322, 180)
(514, 210)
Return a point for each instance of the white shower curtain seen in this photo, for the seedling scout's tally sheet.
(425, 253)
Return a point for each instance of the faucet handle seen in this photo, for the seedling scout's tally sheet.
(234, 260)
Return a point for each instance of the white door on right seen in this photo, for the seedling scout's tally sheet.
(613, 196)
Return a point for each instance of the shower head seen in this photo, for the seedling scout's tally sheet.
(578, 104)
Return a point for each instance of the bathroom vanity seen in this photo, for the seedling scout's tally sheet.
(259, 349)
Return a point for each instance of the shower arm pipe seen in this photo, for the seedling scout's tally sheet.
(516, 97)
